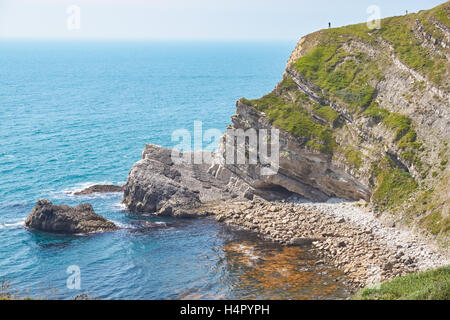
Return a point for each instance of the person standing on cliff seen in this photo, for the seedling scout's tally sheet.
(329, 24)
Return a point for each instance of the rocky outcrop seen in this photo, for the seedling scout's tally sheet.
(100, 188)
(358, 117)
(301, 170)
(156, 184)
(67, 220)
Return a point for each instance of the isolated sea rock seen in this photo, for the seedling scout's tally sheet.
(66, 219)
(100, 188)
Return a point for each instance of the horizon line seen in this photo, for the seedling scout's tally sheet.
(149, 38)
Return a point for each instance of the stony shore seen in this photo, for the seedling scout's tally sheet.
(342, 233)
(345, 234)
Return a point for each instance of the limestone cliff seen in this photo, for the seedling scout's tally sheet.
(363, 114)
(373, 104)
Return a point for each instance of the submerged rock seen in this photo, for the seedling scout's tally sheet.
(65, 219)
(100, 188)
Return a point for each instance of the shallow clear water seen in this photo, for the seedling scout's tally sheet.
(77, 113)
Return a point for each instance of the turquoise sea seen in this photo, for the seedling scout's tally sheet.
(73, 114)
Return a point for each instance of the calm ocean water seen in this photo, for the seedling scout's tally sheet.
(74, 114)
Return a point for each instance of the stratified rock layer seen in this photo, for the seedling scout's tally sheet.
(362, 114)
(301, 170)
(156, 184)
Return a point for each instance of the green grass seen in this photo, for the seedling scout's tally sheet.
(428, 285)
(409, 139)
(428, 209)
(410, 50)
(342, 75)
(442, 14)
(355, 72)
(287, 84)
(357, 31)
(375, 112)
(433, 222)
(438, 70)
(405, 135)
(393, 185)
(399, 32)
(354, 157)
(326, 112)
(399, 122)
(294, 118)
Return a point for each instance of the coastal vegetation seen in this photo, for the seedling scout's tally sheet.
(358, 124)
(342, 75)
(354, 157)
(344, 70)
(393, 186)
(427, 285)
(363, 141)
(294, 117)
(429, 207)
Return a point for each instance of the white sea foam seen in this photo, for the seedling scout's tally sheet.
(13, 224)
(120, 206)
(84, 185)
(9, 156)
(248, 251)
(70, 192)
(121, 224)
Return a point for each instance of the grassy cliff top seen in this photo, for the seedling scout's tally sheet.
(368, 107)
(402, 33)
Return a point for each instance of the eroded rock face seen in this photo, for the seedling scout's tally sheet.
(67, 220)
(156, 184)
(301, 171)
(398, 129)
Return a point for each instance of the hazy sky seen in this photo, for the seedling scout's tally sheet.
(189, 19)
